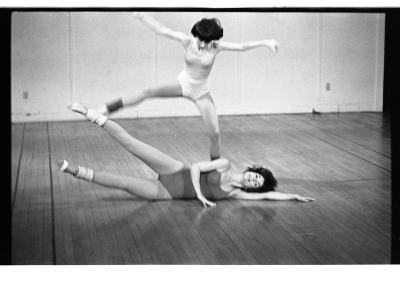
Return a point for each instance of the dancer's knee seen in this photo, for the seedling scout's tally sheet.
(149, 92)
(215, 135)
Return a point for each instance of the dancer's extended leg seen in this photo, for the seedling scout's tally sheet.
(145, 188)
(204, 104)
(165, 91)
(207, 110)
(160, 162)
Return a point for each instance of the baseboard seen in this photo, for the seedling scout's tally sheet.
(165, 113)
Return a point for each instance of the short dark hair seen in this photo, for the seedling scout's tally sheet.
(270, 183)
(208, 30)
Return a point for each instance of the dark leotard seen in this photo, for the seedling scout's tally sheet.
(179, 184)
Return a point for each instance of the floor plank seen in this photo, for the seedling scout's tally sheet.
(343, 140)
(17, 136)
(31, 220)
(343, 160)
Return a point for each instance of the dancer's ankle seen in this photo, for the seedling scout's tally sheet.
(79, 172)
(90, 114)
(214, 157)
(95, 117)
(84, 173)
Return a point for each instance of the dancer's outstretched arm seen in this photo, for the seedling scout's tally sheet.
(272, 195)
(220, 164)
(160, 29)
(241, 47)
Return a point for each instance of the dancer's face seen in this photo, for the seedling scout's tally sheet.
(252, 180)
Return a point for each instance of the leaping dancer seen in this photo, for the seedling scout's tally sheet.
(200, 49)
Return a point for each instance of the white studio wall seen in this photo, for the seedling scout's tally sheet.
(352, 62)
(40, 65)
(288, 81)
(326, 61)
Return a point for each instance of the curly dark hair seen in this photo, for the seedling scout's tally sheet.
(270, 183)
(208, 30)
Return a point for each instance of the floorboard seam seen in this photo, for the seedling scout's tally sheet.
(354, 154)
(368, 148)
(343, 148)
(18, 171)
(53, 236)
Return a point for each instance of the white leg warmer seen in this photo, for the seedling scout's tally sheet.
(85, 174)
(90, 114)
(96, 117)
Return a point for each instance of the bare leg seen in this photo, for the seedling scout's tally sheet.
(160, 162)
(144, 188)
(164, 91)
(204, 104)
(207, 110)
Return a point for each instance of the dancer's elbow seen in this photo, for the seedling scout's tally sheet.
(195, 169)
(243, 48)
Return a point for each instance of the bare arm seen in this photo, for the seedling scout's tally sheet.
(272, 195)
(197, 168)
(241, 47)
(160, 29)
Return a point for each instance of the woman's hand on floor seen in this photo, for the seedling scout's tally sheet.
(205, 202)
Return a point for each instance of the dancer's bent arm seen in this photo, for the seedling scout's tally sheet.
(241, 47)
(197, 168)
(272, 195)
(160, 29)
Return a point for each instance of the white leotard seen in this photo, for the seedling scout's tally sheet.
(198, 64)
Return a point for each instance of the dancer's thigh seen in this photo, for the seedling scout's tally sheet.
(165, 91)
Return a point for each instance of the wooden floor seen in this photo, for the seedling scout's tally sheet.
(343, 160)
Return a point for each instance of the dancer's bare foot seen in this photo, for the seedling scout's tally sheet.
(89, 113)
(66, 167)
(79, 108)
